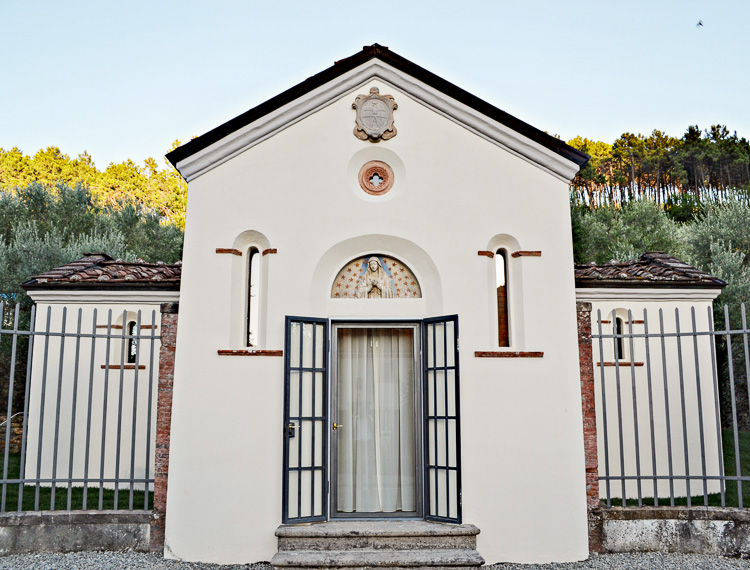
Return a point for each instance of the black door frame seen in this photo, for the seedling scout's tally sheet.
(431, 423)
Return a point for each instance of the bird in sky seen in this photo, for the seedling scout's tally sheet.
(699, 24)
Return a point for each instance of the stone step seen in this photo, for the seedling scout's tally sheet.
(376, 535)
(435, 559)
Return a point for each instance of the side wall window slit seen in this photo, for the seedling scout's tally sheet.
(132, 331)
(619, 352)
(501, 281)
(253, 289)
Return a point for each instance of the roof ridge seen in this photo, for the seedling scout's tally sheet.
(400, 63)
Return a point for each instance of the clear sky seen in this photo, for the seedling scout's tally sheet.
(124, 79)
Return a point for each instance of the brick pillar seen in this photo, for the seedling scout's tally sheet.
(163, 422)
(588, 402)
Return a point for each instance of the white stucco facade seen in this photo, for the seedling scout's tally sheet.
(458, 189)
(674, 378)
(92, 397)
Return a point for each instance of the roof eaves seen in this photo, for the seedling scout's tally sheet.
(109, 285)
(589, 283)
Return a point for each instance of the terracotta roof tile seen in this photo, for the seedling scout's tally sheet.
(653, 268)
(102, 268)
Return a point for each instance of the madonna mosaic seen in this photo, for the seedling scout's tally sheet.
(375, 277)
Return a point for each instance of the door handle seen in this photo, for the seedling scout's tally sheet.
(291, 430)
(336, 426)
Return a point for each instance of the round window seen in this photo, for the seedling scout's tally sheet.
(376, 177)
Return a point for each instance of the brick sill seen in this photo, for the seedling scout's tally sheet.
(123, 366)
(507, 354)
(620, 363)
(250, 352)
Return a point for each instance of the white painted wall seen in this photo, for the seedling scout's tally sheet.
(455, 193)
(644, 449)
(81, 383)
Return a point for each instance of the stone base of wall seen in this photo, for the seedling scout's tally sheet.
(697, 530)
(74, 531)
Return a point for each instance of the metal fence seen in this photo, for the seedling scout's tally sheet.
(80, 389)
(672, 407)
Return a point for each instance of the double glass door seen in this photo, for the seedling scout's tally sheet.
(375, 443)
(371, 427)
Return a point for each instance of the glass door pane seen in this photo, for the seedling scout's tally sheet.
(305, 420)
(376, 428)
(441, 420)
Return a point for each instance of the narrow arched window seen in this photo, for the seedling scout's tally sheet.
(501, 280)
(253, 281)
(619, 352)
(132, 332)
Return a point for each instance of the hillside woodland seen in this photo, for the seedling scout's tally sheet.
(54, 208)
(687, 196)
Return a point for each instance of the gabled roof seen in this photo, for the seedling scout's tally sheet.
(651, 269)
(100, 271)
(342, 67)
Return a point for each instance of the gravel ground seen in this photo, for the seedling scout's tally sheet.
(136, 561)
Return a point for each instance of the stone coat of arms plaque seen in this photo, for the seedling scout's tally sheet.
(374, 119)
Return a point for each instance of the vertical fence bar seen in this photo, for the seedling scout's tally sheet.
(666, 406)
(104, 409)
(152, 347)
(738, 466)
(135, 334)
(41, 410)
(25, 425)
(58, 401)
(9, 405)
(619, 410)
(700, 407)
(745, 341)
(747, 349)
(87, 453)
(9, 413)
(636, 431)
(649, 386)
(712, 341)
(682, 404)
(604, 407)
(118, 435)
(74, 410)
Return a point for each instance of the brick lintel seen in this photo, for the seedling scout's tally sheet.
(229, 250)
(507, 354)
(270, 250)
(123, 366)
(486, 253)
(250, 352)
(526, 253)
(622, 363)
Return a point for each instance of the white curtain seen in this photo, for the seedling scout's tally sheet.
(376, 445)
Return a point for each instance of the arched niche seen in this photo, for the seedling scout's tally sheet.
(376, 276)
(503, 246)
(407, 252)
(246, 242)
